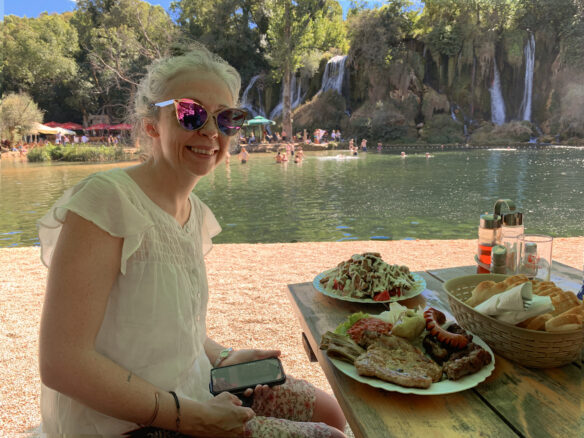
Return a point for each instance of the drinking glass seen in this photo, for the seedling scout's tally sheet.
(535, 256)
(511, 242)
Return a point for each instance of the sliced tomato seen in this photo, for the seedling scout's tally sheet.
(381, 296)
(396, 292)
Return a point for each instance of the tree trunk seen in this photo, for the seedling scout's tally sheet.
(286, 104)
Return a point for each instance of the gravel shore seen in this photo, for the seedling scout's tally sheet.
(248, 305)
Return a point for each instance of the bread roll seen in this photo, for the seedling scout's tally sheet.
(564, 322)
(486, 289)
(545, 288)
(563, 302)
(536, 322)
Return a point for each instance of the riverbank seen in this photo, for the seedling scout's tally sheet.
(248, 305)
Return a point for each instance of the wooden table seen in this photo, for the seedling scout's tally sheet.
(513, 402)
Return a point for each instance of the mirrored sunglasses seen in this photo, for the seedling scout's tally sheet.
(192, 116)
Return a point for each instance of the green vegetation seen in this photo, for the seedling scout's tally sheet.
(405, 67)
(75, 153)
(18, 113)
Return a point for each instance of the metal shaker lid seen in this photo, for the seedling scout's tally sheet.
(513, 219)
(499, 255)
(530, 248)
(490, 221)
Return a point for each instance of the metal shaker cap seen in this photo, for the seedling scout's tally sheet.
(499, 255)
(490, 221)
(513, 219)
(530, 248)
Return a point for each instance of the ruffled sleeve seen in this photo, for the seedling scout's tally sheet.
(209, 225)
(102, 201)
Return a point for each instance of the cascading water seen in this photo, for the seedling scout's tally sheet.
(497, 102)
(296, 98)
(332, 79)
(247, 99)
(529, 51)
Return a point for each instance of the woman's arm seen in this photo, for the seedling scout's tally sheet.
(213, 349)
(84, 267)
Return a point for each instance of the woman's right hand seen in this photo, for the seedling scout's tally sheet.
(222, 416)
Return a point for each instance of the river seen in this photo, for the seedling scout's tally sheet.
(332, 196)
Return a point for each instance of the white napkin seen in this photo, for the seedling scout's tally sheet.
(508, 306)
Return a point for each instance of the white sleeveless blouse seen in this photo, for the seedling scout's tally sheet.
(154, 323)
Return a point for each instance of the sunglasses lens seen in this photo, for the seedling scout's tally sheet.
(190, 115)
(230, 121)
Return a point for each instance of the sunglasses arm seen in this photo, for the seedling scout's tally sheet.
(163, 104)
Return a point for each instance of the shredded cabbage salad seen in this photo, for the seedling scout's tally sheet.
(368, 276)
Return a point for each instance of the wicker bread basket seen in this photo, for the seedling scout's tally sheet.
(531, 348)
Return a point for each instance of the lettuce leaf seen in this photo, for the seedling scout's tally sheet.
(347, 324)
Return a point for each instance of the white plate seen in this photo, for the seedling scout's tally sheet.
(438, 388)
(419, 286)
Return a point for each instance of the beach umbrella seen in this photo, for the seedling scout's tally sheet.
(97, 127)
(64, 131)
(122, 127)
(39, 128)
(52, 124)
(71, 125)
(258, 120)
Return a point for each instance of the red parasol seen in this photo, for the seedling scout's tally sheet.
(52, 124)
(71, 125)
(98, 127)
(122, 127)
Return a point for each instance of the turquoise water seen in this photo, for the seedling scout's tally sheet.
(328, 198)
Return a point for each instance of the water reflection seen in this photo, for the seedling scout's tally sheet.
(371, 196)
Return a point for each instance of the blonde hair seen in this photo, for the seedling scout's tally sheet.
(153, 85)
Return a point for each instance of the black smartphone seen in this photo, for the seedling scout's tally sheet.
(237, 378)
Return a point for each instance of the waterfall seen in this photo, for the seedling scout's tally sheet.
(245, 102)
(296, 97)
(333, 74)
(529, 50)
(497, 102)
(247, 99)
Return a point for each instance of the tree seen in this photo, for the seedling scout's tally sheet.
(120, 38)
(234, 29)
(18, 114)
(39, 57)
(292, 34)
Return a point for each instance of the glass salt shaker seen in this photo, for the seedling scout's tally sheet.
(489, 235)
(529, 263)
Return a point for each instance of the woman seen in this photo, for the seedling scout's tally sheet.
(123, 340)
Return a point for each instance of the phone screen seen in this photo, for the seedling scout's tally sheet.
(247, 375)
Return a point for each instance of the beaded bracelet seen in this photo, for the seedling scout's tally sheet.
(177, 410)
(156, 406)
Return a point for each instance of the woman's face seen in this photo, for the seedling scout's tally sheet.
(193, 152)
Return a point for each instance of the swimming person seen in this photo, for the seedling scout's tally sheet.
(123, 338)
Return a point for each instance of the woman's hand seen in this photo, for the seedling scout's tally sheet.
(222, 416)
(241, 356)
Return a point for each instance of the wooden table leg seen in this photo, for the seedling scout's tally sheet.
(308, 348)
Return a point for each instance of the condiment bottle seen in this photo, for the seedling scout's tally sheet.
(489, 235)
(499, 260)
(512, 224)
(528, 264)
(511, 228)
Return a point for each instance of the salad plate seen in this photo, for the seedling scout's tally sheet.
(417, 289)
(438, 388)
